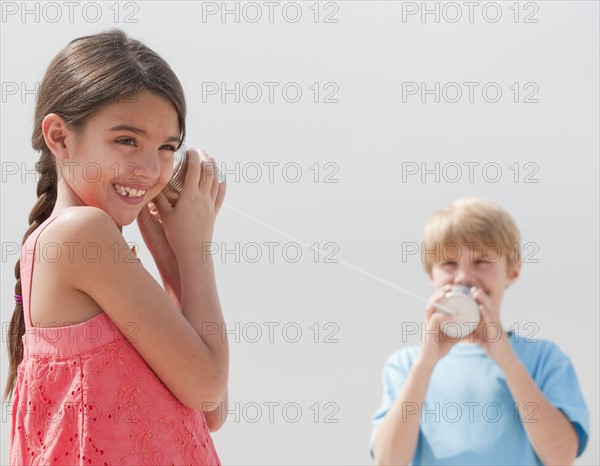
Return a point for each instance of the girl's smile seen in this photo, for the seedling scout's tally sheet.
(121, 158)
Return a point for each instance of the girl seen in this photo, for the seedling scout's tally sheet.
(106, 366)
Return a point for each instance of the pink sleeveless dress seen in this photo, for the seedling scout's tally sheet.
(84, 395)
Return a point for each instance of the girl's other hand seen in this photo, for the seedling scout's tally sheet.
(152, 230)
(153, 234)
(189, 225)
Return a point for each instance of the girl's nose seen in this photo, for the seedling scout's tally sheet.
(148, 167)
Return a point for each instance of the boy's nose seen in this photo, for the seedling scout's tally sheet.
(462, 278)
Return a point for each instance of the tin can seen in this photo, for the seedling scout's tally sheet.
(173, 188)
(467, 312)
(175, 184)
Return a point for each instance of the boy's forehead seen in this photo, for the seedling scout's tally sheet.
(468, 248)
(468, 251)
(465, 244)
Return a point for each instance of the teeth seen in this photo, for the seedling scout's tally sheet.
(129, 192)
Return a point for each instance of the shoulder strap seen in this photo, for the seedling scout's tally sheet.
(28, 258)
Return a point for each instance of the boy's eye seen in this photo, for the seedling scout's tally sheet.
(448, 264)
(482, 261)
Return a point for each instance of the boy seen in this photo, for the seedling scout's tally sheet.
(489, 397)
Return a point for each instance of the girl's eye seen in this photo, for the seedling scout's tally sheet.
(448, 264)
(131, 142)
(482, 261)
(126, 141)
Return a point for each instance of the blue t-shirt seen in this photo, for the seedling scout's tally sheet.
(469, 415)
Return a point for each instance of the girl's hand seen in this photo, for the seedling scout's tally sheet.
(434, 343)
(188, 226)
(489, 334)
(153, 234)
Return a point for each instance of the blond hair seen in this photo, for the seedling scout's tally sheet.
(480, 223)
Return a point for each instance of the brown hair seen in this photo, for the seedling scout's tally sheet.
(471, 220)
(88, 73)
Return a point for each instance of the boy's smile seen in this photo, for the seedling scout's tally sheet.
(484, 271)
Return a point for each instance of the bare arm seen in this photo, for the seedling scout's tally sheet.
(191, 362)
(396, 439)
(551, 434)
(215, 418)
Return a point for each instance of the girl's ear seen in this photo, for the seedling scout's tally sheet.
(56, 132)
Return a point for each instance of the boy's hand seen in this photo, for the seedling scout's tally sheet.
(434, 343)
(489, 334)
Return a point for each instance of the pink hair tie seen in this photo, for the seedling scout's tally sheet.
(18, 299)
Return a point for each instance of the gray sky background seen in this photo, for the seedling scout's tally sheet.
(350, 123)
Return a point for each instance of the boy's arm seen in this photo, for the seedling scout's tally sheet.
(551, 434)
(396, 438)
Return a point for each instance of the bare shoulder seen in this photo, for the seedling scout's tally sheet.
(101, 268)
(82, 242)
(81, 222)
